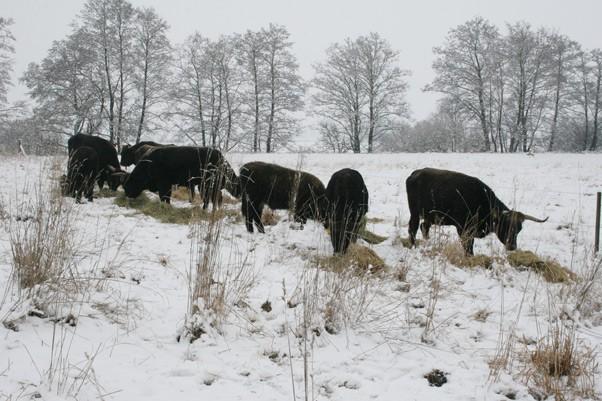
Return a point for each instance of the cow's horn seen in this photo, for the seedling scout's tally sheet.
(535, 219)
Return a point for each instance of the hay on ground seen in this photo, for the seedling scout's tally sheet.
(358, 257)
(551, 270)
(167, 213)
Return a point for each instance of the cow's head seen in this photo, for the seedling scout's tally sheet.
(117, 179)
(139, 180)
(231, 181)
(508, 225)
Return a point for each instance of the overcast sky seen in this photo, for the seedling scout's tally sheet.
(412, 27)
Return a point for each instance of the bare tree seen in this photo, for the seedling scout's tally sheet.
(188, 94)
(340, 98)
(564, 53)
(596, 57)
(528, 76)
(359, 91)
(384, 83)
(67, 87)
(284, 84)
(584, 88)
(251, 53)
(463, 69)
(152, 61)
(6, 63)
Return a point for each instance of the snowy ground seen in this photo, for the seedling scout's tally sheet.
(124, 345)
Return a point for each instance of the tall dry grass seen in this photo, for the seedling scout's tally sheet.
(220, 275)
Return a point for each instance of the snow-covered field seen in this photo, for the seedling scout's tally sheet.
(124, 343)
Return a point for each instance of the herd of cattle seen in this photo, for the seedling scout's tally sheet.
(437, 197)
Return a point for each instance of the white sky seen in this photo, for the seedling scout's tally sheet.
(412, 27)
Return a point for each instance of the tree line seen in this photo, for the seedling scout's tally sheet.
(515, 90)
(118, 75)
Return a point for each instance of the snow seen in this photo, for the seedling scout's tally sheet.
(124, 345)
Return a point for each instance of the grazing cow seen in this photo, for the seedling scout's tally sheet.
(117, 178)
(444, 197)
(280, 188)
(82, 170)
(182, 165)
(133, 154)
(347, 205)
(107, 155)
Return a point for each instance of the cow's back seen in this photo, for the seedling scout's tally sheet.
(179, 164)
(346, 191)
(107, 155)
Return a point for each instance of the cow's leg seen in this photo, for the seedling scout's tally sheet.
(413, 227)
(246, 212)
(191, 192)
(425, 227)
(101, 180)
(256, 209)
(90, 189)
(165, 193)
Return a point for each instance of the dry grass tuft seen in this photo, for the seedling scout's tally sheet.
(218, 281)
(551, 270)
(481, 315)
(182, 194)
(106, 192)
(167, 213)
(560, 366)
(41, 238)
(454, 254)
(358, 257)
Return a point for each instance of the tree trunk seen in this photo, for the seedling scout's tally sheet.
(144, 95)
(594, 144)
(111, 97)
(272, 105)
(371, 124)
(556, 106)
(256, 93)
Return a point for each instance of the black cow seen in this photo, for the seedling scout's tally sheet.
(183, 165)
(133, 154)
(347, 205)
(444, 197)
(108, 163)
(279, 187)
(82, 171)
(117, 178)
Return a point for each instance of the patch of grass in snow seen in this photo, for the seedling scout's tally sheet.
(167, 213)
(454, 254)
(107, 193)
(360, 258)
(551, 270)
(560, 366)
